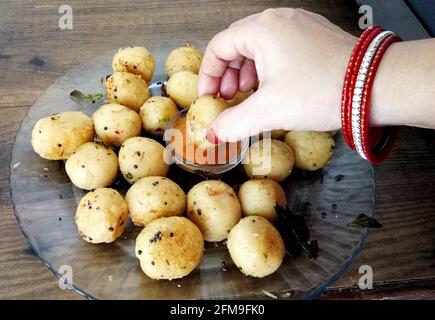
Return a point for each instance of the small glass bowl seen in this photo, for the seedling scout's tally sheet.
(202, 168)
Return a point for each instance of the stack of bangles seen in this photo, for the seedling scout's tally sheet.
(372, 143)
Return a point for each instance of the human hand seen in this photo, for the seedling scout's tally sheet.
(299, 60)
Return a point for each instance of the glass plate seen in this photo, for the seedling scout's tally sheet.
(45, 202)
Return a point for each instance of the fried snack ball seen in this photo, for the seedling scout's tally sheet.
(136, 60)
(278, 134)
(169, 248)
(182, 88)
(56, 137)
(274, 134)
(101, 215)
(312, 150)
(239, 97)
(92, 166)
(127, 89)
(186, 58)
(142, 157)
(269, 158)
(256, 247)
(115, 123)
(201, 115)
(154, 197)
(259, 197)
(156, 113)
(213, 206)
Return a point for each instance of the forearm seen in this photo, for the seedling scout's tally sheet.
(404, 88)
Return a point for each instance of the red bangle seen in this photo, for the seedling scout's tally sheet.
(377, 143)
(375, 32)
(350, 79)
(373, 144)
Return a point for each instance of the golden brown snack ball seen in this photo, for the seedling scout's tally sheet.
(201, 115)
(142, 157)
(101, 215)
(273, 134)
(169, 248)
(260, 197)
(115, 123)
(256, 247)
(182, 88)
(213, 206)
(127, 89)
(269, 158)
(56, 137)
(154, 197)
(92, 166)
(156, 113)
(186, 58)
(312, 150)
(136, 60)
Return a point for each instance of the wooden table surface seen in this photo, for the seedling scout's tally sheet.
(34, 52)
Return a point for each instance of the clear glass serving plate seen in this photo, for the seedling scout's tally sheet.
(45, 202)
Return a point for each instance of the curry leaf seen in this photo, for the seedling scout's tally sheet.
(92, 97)
(365, 221)
(296, 234)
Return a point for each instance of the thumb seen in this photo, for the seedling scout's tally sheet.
(244, 120)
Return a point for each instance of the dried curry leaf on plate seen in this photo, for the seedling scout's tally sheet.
(80, 96)
(163, 90)
(208, 175)
(365, 221)
(295, 234)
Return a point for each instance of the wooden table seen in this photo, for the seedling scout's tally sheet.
(34, 52)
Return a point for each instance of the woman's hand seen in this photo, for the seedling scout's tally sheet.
(299, 59)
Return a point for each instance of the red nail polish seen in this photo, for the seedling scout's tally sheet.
(212, 137)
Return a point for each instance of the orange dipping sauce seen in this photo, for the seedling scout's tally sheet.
(183, 146)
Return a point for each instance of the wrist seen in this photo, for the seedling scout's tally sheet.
(387, 107)
(403, 90)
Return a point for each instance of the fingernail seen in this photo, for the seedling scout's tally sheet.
(212, 137)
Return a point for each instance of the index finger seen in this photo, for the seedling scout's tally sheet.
(226, 46)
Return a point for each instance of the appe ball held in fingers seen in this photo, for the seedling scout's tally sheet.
(101, 215)
(127, 89)
(213, 206)
(239, 97)
(115, 123)
(154, 197)
(136, 60)
(169, 248)
(200, 117)
(56, 137)
(256, 247)
(92, 166)
(269, 158)
(188, 135)
(142, 157)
